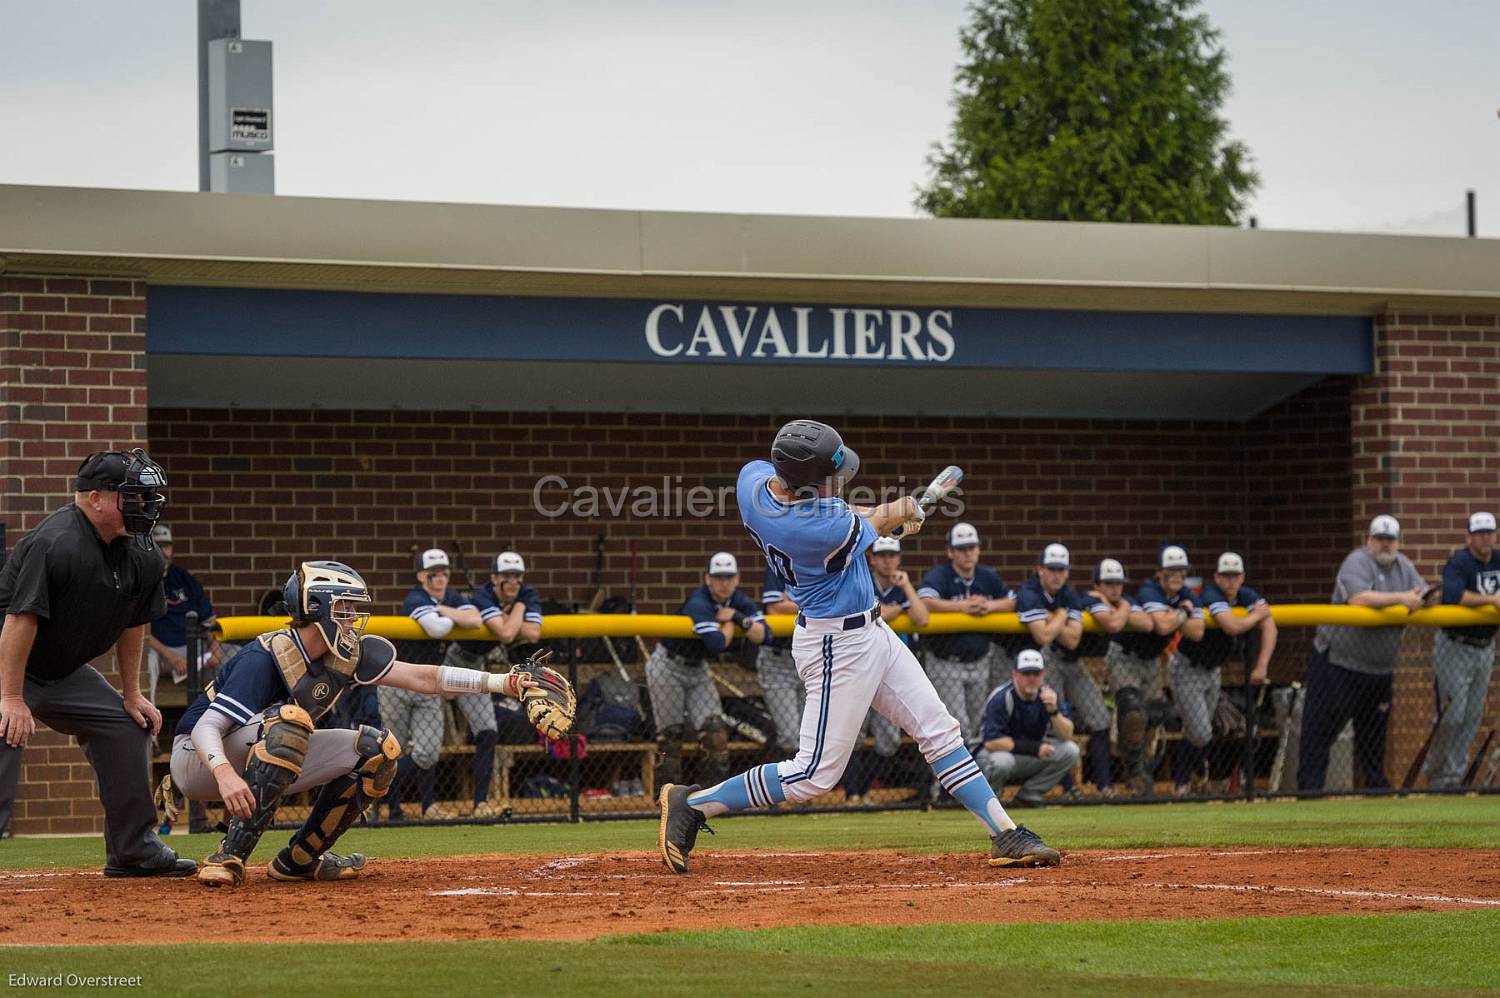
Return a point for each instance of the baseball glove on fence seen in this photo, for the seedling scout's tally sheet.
(551, 705)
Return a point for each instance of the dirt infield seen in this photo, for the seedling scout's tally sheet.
(578, 897)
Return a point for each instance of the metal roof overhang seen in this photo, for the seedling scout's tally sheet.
(248, 241)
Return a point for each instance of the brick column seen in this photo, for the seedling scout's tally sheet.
(1425, 430)
(72, 381)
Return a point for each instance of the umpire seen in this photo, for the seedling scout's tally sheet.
(76, 586)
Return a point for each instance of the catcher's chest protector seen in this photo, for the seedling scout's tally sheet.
(316, 687)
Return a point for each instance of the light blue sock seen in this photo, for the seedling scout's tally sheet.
(758, 787)
(960, 776)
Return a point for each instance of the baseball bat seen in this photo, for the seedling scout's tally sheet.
(1491, 769)
(635, 551)
(735, 690)
(598, 596)
(1416, 764)
(937, 490)
(1278, 763)
(1484, 747)
(1252, 735)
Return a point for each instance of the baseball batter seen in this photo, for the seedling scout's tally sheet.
(249, 740)
(846, 654)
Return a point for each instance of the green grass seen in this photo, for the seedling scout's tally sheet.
(1427, 954)
(1440, 821)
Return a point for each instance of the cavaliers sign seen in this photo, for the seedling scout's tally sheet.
(796, 332)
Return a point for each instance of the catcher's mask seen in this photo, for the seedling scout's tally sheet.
(135, 479)
(328, 593)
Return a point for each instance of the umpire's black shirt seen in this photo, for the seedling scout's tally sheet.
(85, 592)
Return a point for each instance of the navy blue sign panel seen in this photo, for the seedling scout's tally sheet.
(274, 323)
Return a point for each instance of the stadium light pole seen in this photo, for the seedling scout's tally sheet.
(216, 19)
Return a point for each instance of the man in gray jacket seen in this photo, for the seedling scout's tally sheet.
(1351, 670)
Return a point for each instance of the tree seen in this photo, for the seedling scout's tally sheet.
(1090, 110)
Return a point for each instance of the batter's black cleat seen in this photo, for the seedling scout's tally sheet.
(679, 826)
(1021, 847)
(331, 866)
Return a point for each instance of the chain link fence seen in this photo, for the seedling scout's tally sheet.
(1344, 710)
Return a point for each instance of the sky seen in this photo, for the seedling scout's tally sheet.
(1360, 115)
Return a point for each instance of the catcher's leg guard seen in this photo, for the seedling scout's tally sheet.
(715, 741)
(669, 755)
(339, 805)
(275, 762)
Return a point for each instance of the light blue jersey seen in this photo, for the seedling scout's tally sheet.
(817, 545)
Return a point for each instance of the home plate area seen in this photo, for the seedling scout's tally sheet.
(586, 896)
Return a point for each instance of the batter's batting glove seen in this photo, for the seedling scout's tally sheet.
(914, 517)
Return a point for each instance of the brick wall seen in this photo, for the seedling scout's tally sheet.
(72, 381)
(254, 491)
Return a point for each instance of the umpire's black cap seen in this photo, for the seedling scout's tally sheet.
(112, 470)
(809, 454)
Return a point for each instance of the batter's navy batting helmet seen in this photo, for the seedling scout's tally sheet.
(810, 455)
(311, 594)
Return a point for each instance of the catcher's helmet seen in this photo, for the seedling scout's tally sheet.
(311, 595)
(136, 478)
(809, 455)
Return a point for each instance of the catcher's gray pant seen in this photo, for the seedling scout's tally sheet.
(1124, 669)
(785, 694)
(963, 687)
(681, 692)
(83, 704)
(1073, 683)
(1460, 672)
(1035, 775)
(1195, 691)
(416, 719)
(330, 754)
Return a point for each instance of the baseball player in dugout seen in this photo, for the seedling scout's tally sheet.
(1135, 682)
(86, 580)
(684, 700)
(1133, 662)
(249, 740)
(847, 655)
(1027, 733)
(1052, 611)
(511, 611)
(897, 597)
(959, 664)
(1196, 668)
(417, 721)
(1463, 658)
(779, 683)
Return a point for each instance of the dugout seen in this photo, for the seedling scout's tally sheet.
(355, 378)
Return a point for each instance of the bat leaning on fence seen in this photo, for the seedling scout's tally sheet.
(1284, 722)
(1416, 764)
(1484, 748)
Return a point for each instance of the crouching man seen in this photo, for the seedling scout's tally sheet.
(249, 740)
(1028, 737)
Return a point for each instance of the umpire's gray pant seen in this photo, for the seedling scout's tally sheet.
(1036, 775)
(963, 688)
(681, 692)
(785, 695)
(84, 705)
(1461, 674)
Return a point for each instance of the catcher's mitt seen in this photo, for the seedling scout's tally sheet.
(551, 704)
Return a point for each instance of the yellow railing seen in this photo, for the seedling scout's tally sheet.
(661, 625)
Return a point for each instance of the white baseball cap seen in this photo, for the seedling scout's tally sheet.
(723, 563)
(963, 535)
(1055, 556)
(432, 558)
(1109, 570)
(1172, 556)
(1030, 660)
(883, 544)
(508, 561)
(1481, 521)
(1385, 525)
(1231, 564)
(161, 534)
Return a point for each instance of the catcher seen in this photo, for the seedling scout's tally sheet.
(249, 740)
